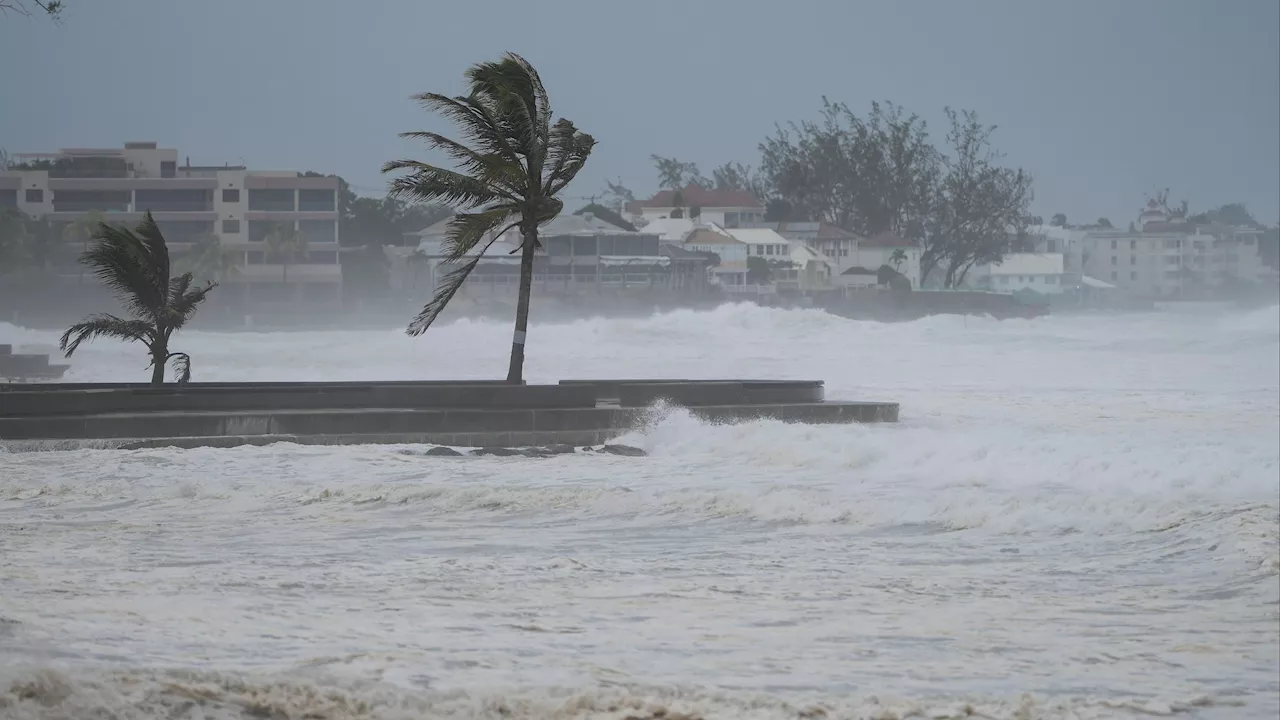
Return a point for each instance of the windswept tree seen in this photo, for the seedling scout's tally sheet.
(209, 260)
(49, 8)
(508, 176)
(285, 245)
(135, 266)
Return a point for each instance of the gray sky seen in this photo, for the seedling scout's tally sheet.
(1104, 101)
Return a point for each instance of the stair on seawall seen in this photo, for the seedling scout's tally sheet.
(465, 413)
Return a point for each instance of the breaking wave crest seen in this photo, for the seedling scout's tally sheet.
(48, 694)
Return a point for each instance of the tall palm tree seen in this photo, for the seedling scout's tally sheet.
(517, 162)
(898, 257)
(285, 245)
(136, 266)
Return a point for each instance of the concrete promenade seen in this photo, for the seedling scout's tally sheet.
(464, 414)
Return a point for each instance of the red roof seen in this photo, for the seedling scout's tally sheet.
(695, 196)
(887, 239)
(831, 232)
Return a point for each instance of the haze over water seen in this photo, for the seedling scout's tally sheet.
(1076, 518)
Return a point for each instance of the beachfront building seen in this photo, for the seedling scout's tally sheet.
(238, 206)
(726, 208)
(731, 272)
(1040, 273)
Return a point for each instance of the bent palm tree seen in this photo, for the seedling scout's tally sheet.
(135, 265)
(509, 176)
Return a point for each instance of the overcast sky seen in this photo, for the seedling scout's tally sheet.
(1104, 101)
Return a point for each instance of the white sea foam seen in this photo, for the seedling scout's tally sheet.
(1077, 518)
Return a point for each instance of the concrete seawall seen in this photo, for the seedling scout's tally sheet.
(459, 414)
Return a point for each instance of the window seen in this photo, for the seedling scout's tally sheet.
(768, 249)
(1172, 244)
(1133, 244)
(35, 196)
(1113, 259)
(1113, 244)
(230, 196)
(230, 227)
(1133, 259)
(1133, 276)
(168, 168)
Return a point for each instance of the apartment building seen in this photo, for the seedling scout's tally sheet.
(238, 206)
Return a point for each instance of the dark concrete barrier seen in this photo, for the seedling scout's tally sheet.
(6, 349)
(209, 398)
(265, 385)
(694, 394)
(446, 427)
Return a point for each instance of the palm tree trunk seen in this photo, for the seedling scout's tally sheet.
(515, 374)
(159, 356)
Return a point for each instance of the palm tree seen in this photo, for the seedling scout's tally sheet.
(82, 231)
(898, 257)
(285, 245)
(518, 161)
(136, 266)
(208, 261)
(14, 241)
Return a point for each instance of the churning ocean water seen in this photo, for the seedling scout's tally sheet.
(1078, 517)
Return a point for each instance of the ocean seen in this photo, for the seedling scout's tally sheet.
(1078, 517)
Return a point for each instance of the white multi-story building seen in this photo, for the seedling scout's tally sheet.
(238, 206)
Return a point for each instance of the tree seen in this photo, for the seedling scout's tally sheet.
(1229, 214)
(617, 195)
(676, 175)
(286, 246)
(777, 210)
(1058, 220)
(977, 205)
(209, 261)
(82, 231)
(50, 8)
(898, 257)
(758, 270)
(518, 162)
(1104, 223)
(135, 265)
(867, 174)
(14, 242)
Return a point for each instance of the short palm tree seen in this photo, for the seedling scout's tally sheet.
(286, 246)
(898, 257)
(135, 265)
(508, 177)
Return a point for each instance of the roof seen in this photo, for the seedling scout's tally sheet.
(831, 232)
(1029, 264)
(695, 196)
(1096, 283)
(801, 253)
(710, 236)
(670, 229)
(887, 239)
(757, 236)
(585, 224)
(821, 230)
(439, 227)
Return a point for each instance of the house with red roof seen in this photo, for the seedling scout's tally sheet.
(726, 208)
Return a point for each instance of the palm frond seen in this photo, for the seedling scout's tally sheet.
(104, 325)
(568, 152)
(428, 183)
(181, 366)
(466, 230)
(490, 168)
(184, 301)
(449, 286)
(121, 261)
(513, 87)
(478, 123)
(156, 250)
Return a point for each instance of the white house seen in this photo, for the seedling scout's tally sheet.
(726, 208)
(732, 271)
(763, 243)
(889, 249)
(1041, 272)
